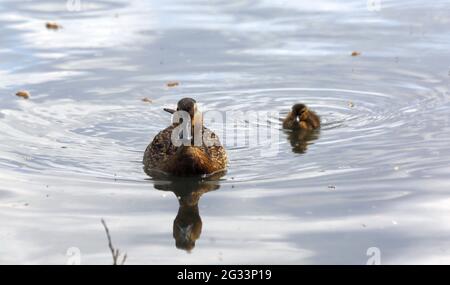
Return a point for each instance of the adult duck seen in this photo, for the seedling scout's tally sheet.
(165, 154)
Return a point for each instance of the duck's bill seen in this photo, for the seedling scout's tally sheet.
(169, 110)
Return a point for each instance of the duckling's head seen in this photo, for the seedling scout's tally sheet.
(298, 110)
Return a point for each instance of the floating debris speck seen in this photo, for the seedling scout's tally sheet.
(351, 104)
(173, 84)
(23, 94)
(332, 187)
(147, 100)
(53, 26)
(356, 53)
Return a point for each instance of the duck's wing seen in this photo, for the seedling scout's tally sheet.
(289, 122)
(313, 120)
(214, 148)
(160, 148)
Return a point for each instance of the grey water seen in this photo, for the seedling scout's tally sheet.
(374, 181)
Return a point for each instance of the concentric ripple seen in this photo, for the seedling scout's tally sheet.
(359, 131)
(374, 173)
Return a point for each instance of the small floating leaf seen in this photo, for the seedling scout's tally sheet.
(53, 26)
(356, 53)
(172, 84)
(147, 100)
(24, 94)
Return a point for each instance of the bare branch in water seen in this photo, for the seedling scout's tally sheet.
(115, 252)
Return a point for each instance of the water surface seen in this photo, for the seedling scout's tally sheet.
(376, 175)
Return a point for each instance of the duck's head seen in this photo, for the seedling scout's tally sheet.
(300, 111)
(188, 105)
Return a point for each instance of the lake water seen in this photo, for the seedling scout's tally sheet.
(374, 184)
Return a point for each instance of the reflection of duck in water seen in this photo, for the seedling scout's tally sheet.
(187, 225)
(206, 157)
(302, 124)
(301, 117)
(300, 139)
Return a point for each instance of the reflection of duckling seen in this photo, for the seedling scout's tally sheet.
(184, 160)
(300, 139)
(187, 225)
(301, 118)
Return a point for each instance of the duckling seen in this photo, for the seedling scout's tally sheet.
(301, 117)
(186, 160)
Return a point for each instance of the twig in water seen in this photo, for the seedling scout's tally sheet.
(115, 252)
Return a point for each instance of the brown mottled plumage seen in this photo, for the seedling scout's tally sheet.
(301, 117)
(163, 155)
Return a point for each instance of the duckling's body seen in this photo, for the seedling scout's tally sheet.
(301, 118)
(163, 155)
